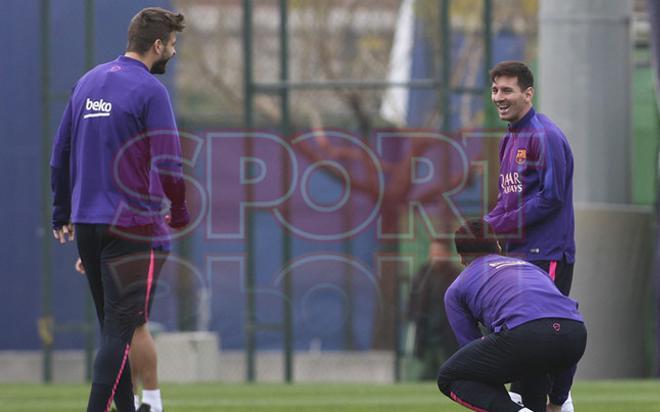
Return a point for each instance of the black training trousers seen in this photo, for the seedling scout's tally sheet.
(121, 272)
(475, 376)
(561, 273)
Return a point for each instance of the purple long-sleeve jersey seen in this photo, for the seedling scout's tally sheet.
(534, 210)
(499, 292)
(117, 131)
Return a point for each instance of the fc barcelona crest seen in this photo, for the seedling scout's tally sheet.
(521, 156)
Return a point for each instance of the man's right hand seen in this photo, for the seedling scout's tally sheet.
(178, 217)
(553, 408)
(79, 266)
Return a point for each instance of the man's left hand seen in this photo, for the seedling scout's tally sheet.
(64, 233)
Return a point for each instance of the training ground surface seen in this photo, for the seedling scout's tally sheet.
(601, 396)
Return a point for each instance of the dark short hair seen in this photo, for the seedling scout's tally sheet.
(515, 69)
(151, 24)
(474, 238)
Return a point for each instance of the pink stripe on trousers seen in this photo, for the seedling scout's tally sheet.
(121, 370)
(552, 271)
(150, 280)
(460, 401)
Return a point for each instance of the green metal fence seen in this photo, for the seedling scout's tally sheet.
(282, 88)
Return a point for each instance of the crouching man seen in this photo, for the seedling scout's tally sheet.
(535, 334)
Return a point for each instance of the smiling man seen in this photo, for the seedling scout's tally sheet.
(534, 210)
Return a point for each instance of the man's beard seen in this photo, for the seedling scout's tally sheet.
(159, 66)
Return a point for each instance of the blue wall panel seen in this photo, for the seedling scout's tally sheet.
(21, 164)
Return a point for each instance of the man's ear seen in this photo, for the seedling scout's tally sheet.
(529, 93)
(158, 46)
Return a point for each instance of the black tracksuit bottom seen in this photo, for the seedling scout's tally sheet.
(561, 273)
(121, 274)
(475, 376)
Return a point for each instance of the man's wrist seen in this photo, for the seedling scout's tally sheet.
(179, 216)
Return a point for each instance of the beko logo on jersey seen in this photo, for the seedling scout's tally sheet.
(510, 183)
(99, 108)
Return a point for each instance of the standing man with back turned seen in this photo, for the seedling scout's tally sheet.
(534, 210)
(117, 128)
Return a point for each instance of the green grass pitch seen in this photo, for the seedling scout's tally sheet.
(601, 396)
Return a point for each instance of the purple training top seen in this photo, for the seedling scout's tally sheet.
(500, 292)
(534, 210)
(117, 131)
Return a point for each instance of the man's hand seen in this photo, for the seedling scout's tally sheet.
(79, 267)
(178, 217)
(64, 233)
(553, 408)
